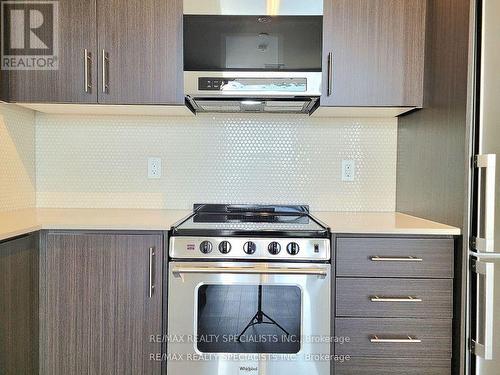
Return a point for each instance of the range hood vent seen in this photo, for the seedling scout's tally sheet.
(248, 105)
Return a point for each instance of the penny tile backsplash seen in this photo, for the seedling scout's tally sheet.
(17, 158)
(101, 161)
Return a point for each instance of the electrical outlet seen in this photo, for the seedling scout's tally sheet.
(348, 170)
(154, 167)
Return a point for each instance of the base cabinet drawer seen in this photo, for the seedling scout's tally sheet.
(394, 337)
(395, 257)
(364, 297)
(391, 366)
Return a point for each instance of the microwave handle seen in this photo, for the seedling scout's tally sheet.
(179, 270)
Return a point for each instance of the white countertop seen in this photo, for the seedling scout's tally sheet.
(16, 223)
(383, 223)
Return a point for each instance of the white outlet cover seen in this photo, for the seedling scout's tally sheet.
(348, 170)
(154, 167)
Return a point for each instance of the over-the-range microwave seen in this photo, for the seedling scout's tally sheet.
(253, 56)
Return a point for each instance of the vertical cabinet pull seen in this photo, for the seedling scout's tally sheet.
(484, 241)
(330, 74)
(87, 79)
(105, 67)
(151, 271)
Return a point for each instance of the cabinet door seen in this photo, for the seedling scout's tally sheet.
(377, 52)
(140, 51)
(97, 314)
(77, 32)
(19, 306)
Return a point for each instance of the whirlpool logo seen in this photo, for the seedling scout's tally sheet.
(249, 370)
(29, 35)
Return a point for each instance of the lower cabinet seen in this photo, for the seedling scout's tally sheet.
(393, 366)
(100, 302)
(393, 305)
(19, 306)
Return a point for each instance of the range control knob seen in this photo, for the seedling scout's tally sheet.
(293, 248)
(225, 247)
(249, 247)
(274, 248)
(206, 247)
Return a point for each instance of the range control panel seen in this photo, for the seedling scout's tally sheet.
(249, 248)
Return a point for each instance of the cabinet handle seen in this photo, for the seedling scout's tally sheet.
(395, 299)
(378, 258)
(87, 80)
(105, 63)
(151, 271)
(320, 272)
(487, 218)
(330, 74)
(405, 340)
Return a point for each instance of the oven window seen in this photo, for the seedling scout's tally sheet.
(249, 319)
(242, 43)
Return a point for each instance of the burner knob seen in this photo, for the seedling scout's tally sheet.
(274, 248)
(206, 247)
(225, 247)
(249, 247)
(293, 248)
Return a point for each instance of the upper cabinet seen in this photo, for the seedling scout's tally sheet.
(130, 52)
(110, 52)
(70, 37)
(373, 53)
(140, 51)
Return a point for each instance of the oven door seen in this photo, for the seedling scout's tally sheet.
(248, 318)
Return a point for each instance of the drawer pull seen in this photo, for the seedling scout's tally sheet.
(395, 299)
(406, 340)
(377, 258)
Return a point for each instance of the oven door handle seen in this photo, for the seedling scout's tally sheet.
(179, 270)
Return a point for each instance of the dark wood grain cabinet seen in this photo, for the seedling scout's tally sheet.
(373, 52)
(140, 51)
(19, 306)
(394, 303)
(97, 308)
(110, 52)
(77, 22)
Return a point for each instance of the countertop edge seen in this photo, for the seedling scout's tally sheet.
(340, 223)
(19, 232)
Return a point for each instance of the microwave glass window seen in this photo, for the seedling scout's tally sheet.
(243, 43)
(249, 319)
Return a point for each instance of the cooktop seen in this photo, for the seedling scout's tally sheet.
(250, 220)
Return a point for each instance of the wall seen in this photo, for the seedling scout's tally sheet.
(85, 161)
(432, 156)
(17, 158)
(431, 142)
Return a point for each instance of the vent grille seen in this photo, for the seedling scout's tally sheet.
(252, 105)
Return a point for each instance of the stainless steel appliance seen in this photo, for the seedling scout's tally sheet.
(249, 292)
(484, 207)
(253, 56)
